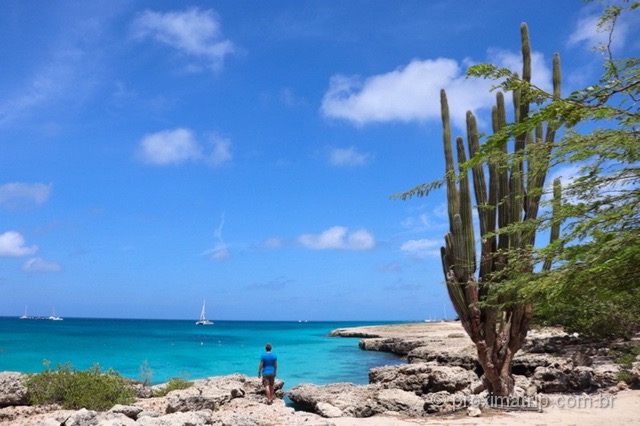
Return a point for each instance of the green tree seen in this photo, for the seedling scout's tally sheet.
(595, 275)
(597, 249)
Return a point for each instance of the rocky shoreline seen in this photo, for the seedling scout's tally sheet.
(439, 381)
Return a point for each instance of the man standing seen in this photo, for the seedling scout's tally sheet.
(267, 369)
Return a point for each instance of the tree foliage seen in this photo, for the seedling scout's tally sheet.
(599, 250)
(594, 285)
(595, 275)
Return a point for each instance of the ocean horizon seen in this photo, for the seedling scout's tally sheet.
(161, 349)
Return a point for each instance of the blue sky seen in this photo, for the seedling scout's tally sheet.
(158, 153)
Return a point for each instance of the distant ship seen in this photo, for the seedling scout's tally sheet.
(203, 318)
(25, 316)
(54, 317)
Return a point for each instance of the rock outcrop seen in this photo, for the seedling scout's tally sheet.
(349, 400)
(442, 373)
(423, 378)
(12, 389)
(226, 400)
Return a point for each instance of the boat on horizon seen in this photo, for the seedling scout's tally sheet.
(25, 316)
(54, 317)
(203, 318)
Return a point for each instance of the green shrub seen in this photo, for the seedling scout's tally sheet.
(625, 376)
(173, 384)
(73, 389)
(608, 316)
(625, 356)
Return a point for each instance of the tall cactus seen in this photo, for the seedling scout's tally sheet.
(509, 197)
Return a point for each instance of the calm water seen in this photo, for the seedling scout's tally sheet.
(181, 349)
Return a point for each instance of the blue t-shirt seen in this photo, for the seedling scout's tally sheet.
(268, 363)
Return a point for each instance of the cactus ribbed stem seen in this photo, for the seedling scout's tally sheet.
(510, 197)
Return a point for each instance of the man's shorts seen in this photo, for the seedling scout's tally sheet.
(268, 379)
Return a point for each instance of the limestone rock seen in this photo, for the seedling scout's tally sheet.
(352, 400)
(400, 401)
(12, 389)
(423, 378)
(348, 400)
(213, 392)
(525, 364)
(555, 380)
(327, 410)
(243, 411)
(115, 419)
(193, 418)
(130, 411)
(393, 345)
(82, 417)
(465, 357)
(474, 412)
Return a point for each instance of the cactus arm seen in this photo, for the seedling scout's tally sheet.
(452, 191)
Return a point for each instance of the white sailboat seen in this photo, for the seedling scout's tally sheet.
(25, 316)
(54, 317)
(203, 319)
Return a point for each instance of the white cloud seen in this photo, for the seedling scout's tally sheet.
(69, 76)
(348, 157)
(194, 32)
(12, 244)
(169, 147)
(181, 145)
(569, 174)
(339, 238)
(220, 252)
(422, 248)
(419, 223)
(435, 220)
(273, 243)
(390, 267)
(541, 72)
(220, 151)
(405, 94)
(16, 194)
(412, 92)
(588, 34)
(38, 264)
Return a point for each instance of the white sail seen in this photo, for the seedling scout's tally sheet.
(203, 317)
(54, 317)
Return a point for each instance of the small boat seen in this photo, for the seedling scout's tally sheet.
(25, 316)
(54, 317)
(203, 319)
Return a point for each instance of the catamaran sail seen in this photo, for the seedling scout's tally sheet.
(54, 317)
(203, 319)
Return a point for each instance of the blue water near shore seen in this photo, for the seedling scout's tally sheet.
(182, 349)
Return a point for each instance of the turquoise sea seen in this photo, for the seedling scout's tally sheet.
(170, 348)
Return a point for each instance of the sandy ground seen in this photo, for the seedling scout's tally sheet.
(606, 409)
